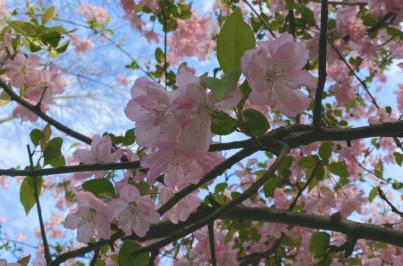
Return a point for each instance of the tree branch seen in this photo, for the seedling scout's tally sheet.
(384, 198)
(218, 170)
(71, 169)
(210, 228)
(222, 210)
(359, 230)
(34, 109)
(317, 111)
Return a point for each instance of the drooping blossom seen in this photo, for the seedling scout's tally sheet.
(275, 71)
(92, 215)
(182, 210)
(226, 254)
(399, 95)
(100, 152)
(168, 124)
(134, 212)
(149, 108)
(93, 12)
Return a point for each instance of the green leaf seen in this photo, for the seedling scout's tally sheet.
(27, 196)
(220, 188)
(129, 138)
(62, 47)
(338, 168)
(159, 55)
(223, 124)
(49, 14)
(126, 259)
(398, 158)
(308, 162)
(325, 149)
(372, 194)
(319, 244)
(51, 36)
(235, 38)
(221, 87)
(36, 135)
(102, 188)
(255, 122)
(52, 154)
(270, 187)
(25, 27)
(4, 98)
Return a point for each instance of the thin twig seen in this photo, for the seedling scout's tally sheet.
(42, 115)
(384, 198)
(260, 18)
(39, 210)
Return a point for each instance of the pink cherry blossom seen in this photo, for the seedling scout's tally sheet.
(178, 166)
(192, 38)
(80, 45)
(149, 108)
(92, 215)
(274, 71)
(3, 262)
(280, 199)
(182, 210)
(399, 95)
(93, 12)
(22, 69)
(135, 213)
(192, 111)
(100, 152)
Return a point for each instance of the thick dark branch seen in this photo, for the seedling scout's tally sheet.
(211, 239)
(353, 229)
(344, 3)
(71, 169)
(163, 229)
(39, 211)
(317, 111)
(34, 109)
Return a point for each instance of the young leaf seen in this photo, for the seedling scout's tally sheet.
(126, 259)
(101, 188)
(221, 87)
(319, 244)
(255, 122)
(223, 124)
(52, 154)
(234, 39)
(27, 196)
(338, 168)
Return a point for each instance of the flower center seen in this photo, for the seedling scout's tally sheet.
(272, 76)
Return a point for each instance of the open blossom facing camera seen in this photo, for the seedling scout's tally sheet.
(134, 212)
(100, 152)
(92, 215)
(275, 71)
